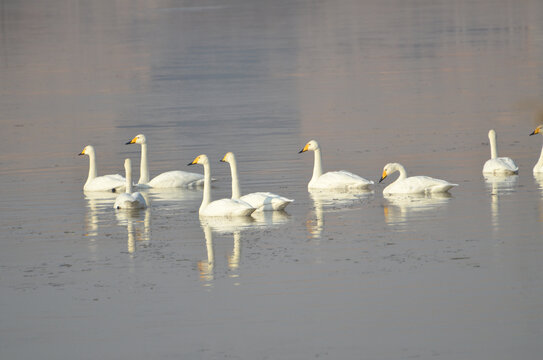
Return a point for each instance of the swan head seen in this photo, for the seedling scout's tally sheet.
(87, 150)
(311, 145)
(537, 130)
(491, 134)
(389, 169)
(138, 139)
(228, 157)
(200, 159)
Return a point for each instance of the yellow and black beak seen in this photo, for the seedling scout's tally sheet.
(536, 131)
(195, 161)
(384, 175)
(306, 147)
(223, 159)
(133, 141)
(82, 152)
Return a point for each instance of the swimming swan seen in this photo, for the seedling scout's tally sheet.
(112, 183)
(538, 168)
(129, 199)
(334, 179)
(412, 184)
(498, 165)
(169, 179)
(262, 201)
(222, 207)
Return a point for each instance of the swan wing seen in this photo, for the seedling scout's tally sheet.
(418, 185)
(266, 201)
(501, 165)
(176, 179)
(340, 179)
(113, 182)
(227, 207)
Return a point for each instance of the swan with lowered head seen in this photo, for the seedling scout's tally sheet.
(112, 182)
(222, 207)
(333, 180)
(498, 165)
(538, 167)
(412, 184)
(261, 201)
(129, 199)
(169, 179)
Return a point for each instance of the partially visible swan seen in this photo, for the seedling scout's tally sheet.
(342, 179)
(110, 182)
(412, 184)
(222, 207)
(538, 167)
(169, 179)
(261, 201)
(498, 165)
(129, 199)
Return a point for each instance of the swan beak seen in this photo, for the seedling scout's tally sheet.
(304, 149)
(536, 131)
(133, 141)
(194, 162)
(384, 176)
(82, 152)
(223, 159)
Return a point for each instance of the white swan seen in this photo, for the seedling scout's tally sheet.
(129, 199)
(412, 184)
(538, 167)
(343, 180)
(222, 207)
(498, 165)
(261, 201)
(113, 183)
(169, 179)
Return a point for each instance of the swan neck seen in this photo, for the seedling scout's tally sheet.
(128, 176)
(207, 187)
(92, 166)
(403, 173)
(540, 161)
(236, 194)
(317, 167)
(144, 166)
(493, 146)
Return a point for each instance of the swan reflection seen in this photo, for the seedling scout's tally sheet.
(499, 185)
(332, 201)
(399, 209)
(138, 226)
(99, 204)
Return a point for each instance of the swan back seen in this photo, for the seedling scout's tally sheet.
(412, 184)
(498, 165)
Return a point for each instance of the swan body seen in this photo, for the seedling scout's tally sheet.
(339, 180)
(498, 165)
(413, 184)
(538, 167)
(261, 201)
(112, 182)
(222, 207)
(129, 199)
(169, 179)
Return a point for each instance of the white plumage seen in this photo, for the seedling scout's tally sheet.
(413, 184)
(112, 182)
(129, 199)
(498, 165)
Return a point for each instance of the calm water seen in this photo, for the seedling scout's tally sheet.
(342, 276)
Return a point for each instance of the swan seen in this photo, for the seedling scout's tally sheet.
(538, 168)
(498, 165)
(129, 199)
(110, 182)
(222, 207)
(169, 179)
(261, 201)
(413, 184)
(334, 179)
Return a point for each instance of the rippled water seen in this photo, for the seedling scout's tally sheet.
(337, 275)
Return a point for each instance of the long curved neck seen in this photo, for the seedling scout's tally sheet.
(207, 186)
(128, 175)
(92, 166)
(144, 166)
(493, 146)
(236, 194)
(401, 170)
(540, 161)
(317, 167)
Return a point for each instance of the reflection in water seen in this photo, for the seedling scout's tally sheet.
(132, 217)
(538, 177)
(332, 201)
(399, 209)
(206, 266)
(499, 185)
(98, 203)
(173, 194)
